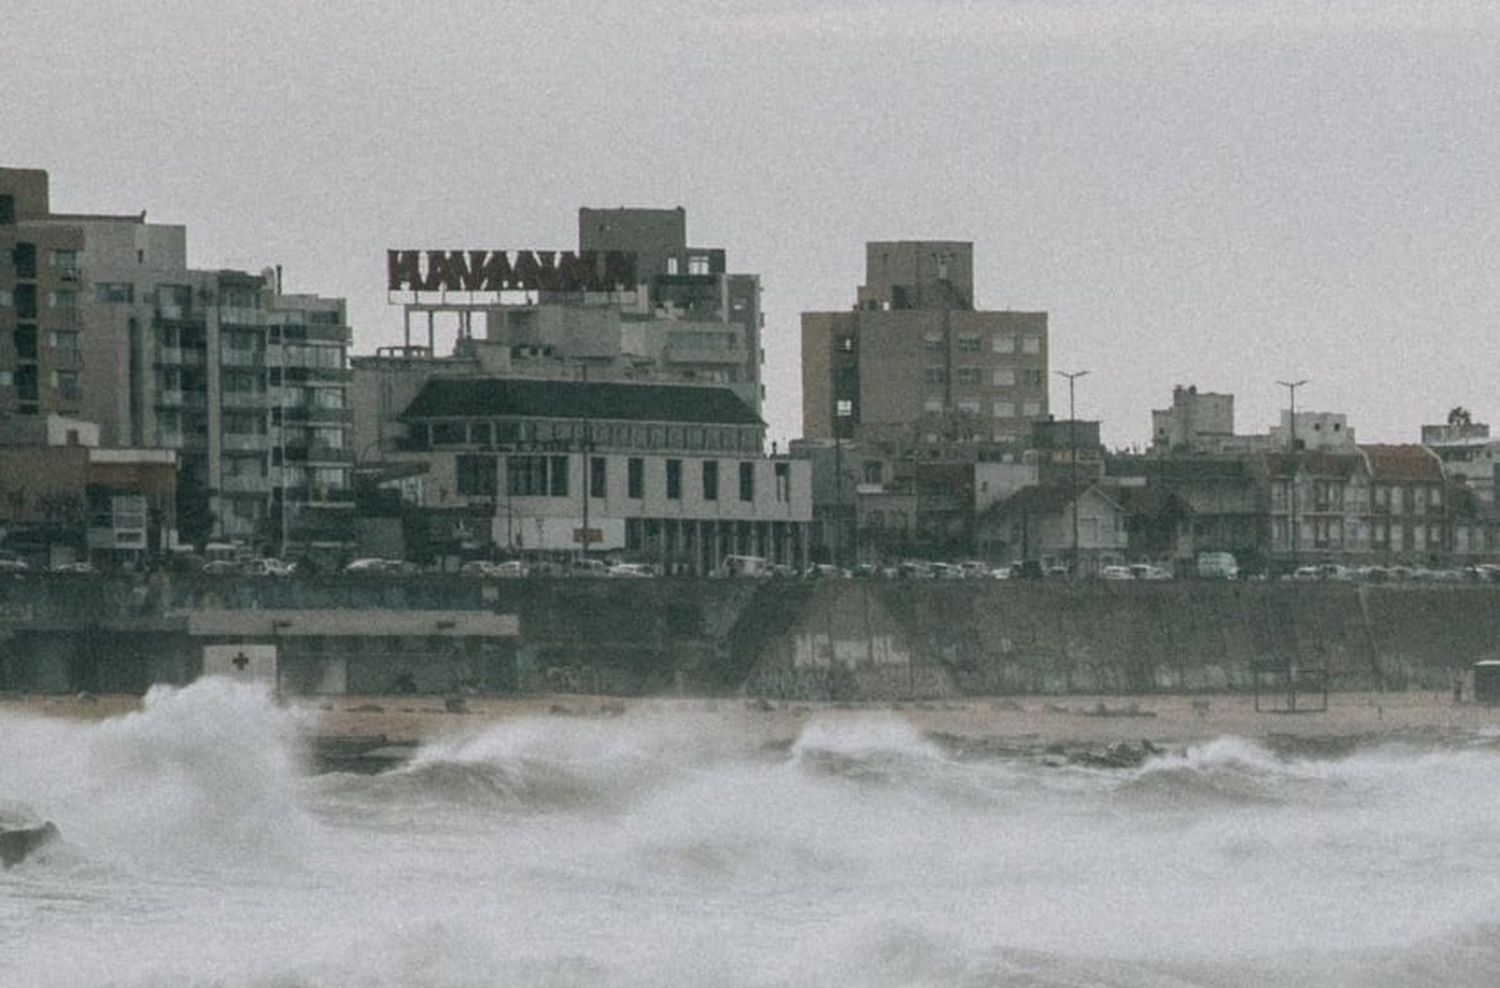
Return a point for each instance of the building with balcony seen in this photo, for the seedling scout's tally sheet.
(41, 290)
(199, 362)
(914, 365)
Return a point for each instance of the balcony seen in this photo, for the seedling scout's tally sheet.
(237, 484)
(169, 398)
(168, 355)
(313, 413)
(246, 442)
(318, 453)
(243, 399)
(300, 332)
(297, 375)
(242, 358)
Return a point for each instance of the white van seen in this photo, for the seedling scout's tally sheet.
(753, 566)
(1217, 566)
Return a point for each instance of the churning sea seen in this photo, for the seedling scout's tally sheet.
(665, 850)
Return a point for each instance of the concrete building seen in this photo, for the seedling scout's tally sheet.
(1197, 422)
(1326, 431)
(246, 385)
(668, 474)
(915, 365)
(41, 290)
(634, 303)
(1470, 457)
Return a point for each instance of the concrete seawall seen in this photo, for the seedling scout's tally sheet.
(826, 640)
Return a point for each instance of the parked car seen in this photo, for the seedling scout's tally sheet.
(81, 567)
(1217, 566)
(11, 563)
(631, 571)
(1116, 573)
(1149, 571)
(270, 567)
(373, 565)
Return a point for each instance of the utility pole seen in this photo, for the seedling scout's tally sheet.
(1291, 487)
(1073, 376)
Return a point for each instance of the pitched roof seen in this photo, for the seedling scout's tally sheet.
(1315, 462)
(1406, 461)
(471, 397)
(1049, 498)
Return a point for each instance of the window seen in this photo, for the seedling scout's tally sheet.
(558, 487)
(7, 209)
(747, 481)
(844, 344)
(477, 476)
(936, 375)
(872, 471)
(1031, 409)
(844, 408)
(1035, 377)
(7, 378)
(66, 383)
(66, 262)
(1004, 377)
(970, 406)
(932, 341)
(710, 480)
(65, 342)
(1004, 343)
(674, 480)
(598, 477)
(635, 477)
(25, 301)
(1031, 344)
(25, 340)
(6, 299)
(24, 258)
(968, 375)
(526, 476)
(783, 481)
(933, 406)
(1005, 409)
(968, 344)
(479, 433)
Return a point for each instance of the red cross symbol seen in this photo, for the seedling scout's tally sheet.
(240, 661)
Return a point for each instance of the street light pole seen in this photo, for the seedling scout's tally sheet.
(1291, 487)
(1073, 376)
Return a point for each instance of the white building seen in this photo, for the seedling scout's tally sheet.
(662, 473)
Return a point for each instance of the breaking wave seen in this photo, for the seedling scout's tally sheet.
(677, 849)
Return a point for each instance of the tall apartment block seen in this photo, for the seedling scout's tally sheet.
(41, 285)
(245, 383)
(915, 365)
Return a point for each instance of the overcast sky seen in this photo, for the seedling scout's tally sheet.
(1210, 193)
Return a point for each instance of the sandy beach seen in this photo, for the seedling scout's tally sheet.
(1026, 720)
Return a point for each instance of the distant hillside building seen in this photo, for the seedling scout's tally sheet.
(914, 365)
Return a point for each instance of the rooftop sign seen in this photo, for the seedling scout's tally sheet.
(515, 270)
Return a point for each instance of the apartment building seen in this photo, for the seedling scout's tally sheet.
(914, 365)
(245, 385)
(41, 288)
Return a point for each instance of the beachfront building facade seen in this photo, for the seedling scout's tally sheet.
(668, 474)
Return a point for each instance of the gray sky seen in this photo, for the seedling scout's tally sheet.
(1211, 193)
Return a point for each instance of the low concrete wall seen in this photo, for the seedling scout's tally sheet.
(835, 640)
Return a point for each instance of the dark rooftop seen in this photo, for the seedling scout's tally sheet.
(530, 398)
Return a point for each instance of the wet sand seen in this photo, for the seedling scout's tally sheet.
(1026, 720)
